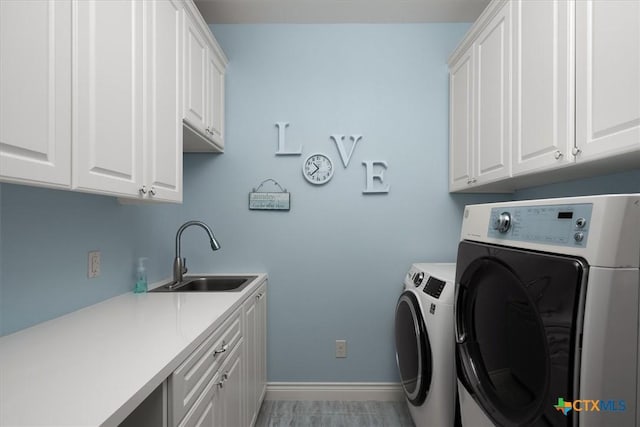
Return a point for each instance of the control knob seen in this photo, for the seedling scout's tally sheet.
(417, 280)
(503, 222)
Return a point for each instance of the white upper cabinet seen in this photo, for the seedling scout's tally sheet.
(215, 98)
(128, 90)
(607, 78)
(195, 74)
(572, 105)
(479, 104)
(35, 92)
(543, 84)
(108, 97)
(460, 116)
(492, 96)
(163, 100)
(93, 94)
(204, 79)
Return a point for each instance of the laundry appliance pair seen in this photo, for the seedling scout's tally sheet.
(544, 309)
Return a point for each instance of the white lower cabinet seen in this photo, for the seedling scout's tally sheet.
(255, 312)
(223, 382)
(228, 403)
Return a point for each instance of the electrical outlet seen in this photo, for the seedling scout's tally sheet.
(341, 348)
(93, 269)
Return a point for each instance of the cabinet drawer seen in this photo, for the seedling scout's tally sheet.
(202, 412)
(190, 379)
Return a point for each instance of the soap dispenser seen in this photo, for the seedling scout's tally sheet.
(141, 277)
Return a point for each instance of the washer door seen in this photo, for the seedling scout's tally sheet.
(518, 323)
(413, 351)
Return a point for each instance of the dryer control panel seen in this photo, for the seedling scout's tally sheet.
(564, 225)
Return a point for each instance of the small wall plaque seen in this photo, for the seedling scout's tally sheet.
(270, 201)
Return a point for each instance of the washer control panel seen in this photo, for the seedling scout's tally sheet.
(434, 287)
(563, 225)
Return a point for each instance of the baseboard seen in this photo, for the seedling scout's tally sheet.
(334, 391)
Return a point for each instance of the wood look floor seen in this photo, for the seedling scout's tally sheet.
(280, 413)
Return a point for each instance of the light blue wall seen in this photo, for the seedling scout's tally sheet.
(337, 259)
(623, 182)
(45, 236)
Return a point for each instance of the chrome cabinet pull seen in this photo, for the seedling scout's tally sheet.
(224, 379)
(575, 151)
(143, 190)
(152, 191)
(558, 154)
(224, 348)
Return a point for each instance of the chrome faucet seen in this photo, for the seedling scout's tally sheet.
(179, 263)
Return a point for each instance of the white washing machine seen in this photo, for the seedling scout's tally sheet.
(425, 345)
(546, 312)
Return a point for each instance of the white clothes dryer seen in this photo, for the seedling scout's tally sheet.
(546, 312)
(425, 345)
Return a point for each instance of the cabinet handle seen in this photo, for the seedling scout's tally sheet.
(558, 154)
(152, 191)
(224, 348)
(576, 151)
(223, 380)
(260, 295)
(143, 190)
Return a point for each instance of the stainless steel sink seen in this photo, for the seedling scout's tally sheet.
(209, 284)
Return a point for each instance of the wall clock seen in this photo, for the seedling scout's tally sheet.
(317, 169)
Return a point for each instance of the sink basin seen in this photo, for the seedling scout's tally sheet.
(209, 284)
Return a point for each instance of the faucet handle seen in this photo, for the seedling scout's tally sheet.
(184, 265)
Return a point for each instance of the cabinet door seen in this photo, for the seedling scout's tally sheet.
(492, 61)
(261, 351)
(215, 99)
(251, 348)
(607, 78)
(163, 100)
(108, 97)
(460, 122)
(543, 84)
(195, 79)
(255, 353)
(35, 92)
(228, 405)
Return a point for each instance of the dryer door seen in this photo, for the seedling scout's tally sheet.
(518, 326)
(413, 351)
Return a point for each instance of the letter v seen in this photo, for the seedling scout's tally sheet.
(346, 158)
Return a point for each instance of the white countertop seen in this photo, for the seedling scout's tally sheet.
(94, 366)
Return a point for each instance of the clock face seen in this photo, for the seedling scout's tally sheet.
(317, 169)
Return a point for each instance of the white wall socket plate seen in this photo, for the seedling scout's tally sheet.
(93, 268)
(341, 348)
